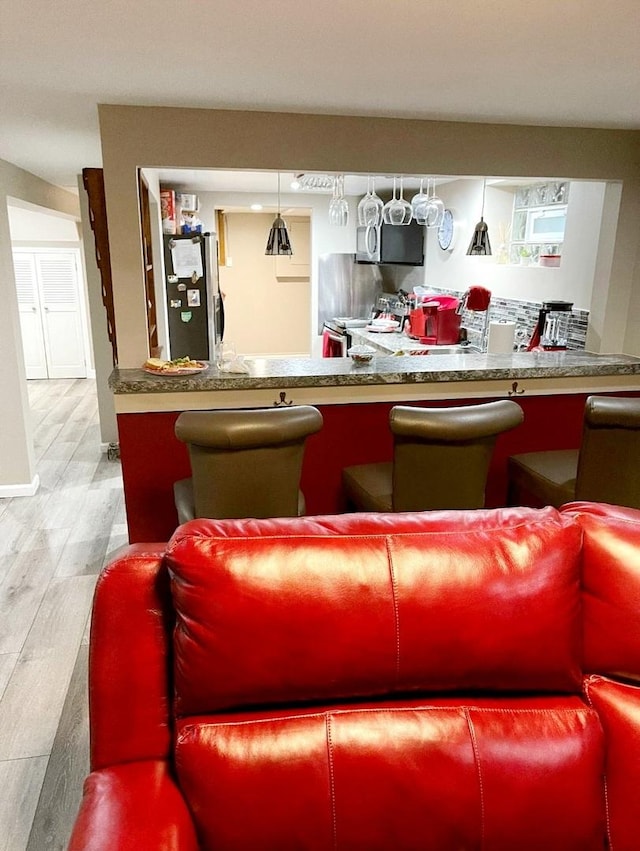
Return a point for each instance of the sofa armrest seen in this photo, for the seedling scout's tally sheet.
(130, 659)
(132, 806)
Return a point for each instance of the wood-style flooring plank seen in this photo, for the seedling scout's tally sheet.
(68, 766)
(107, 474)
(61, 451)
(60, 621)
(31, 706)
(85, 548)
(50, 471)
(21, 593)
(27, 513)
(45, 618)
(7, 664)
(118, 542)
(33, 699)
(62, 513)
(45, 437)
(14, 531)
(86, 448)
(20, 781)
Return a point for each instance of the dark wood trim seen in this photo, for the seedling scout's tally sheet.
(93, 180)
(147, 257)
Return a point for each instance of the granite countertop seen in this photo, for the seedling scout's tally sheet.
(388, 342)
(279, 373)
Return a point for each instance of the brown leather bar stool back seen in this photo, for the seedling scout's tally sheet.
(244, 463)
(606, 468)
(441, 459)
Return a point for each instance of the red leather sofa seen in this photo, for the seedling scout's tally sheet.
(437, 681)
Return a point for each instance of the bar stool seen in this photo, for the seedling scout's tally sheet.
(606, 468)
(244, 463)
(441, 459)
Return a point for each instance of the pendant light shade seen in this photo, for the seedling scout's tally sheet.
(480, 244)
(278, 241)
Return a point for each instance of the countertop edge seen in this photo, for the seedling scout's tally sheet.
(265, 373)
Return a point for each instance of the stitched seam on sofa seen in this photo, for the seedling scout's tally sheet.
(186, 727)
(130, 561)
(396, 609)
(476, 757)
(332, 785)
(588, 516)
(605, 785)
(530, 523)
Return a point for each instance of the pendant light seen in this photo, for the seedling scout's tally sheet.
(480, 244)
(278, 241)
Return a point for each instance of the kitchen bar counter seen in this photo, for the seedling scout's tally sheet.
(385, 377)
(309, 372)
(551, 388)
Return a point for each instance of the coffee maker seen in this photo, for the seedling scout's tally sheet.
(552, 329)
(434, 319)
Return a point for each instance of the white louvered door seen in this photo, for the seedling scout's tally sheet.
(35, 360)
(48, 297)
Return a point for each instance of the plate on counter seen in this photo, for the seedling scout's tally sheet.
(382, 329)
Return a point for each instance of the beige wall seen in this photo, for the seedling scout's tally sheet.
(264, 315)
(573, 281)
(150, 136)
(17, 469)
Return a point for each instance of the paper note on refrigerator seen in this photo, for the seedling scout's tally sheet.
(187, 258)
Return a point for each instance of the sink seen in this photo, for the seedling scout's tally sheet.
(453, 350)
(446, 350)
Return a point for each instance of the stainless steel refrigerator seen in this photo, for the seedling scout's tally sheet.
(346, 288)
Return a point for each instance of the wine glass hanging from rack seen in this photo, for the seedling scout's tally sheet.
(425, 207)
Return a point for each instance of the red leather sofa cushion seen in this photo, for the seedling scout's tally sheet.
(611, 588)
(130, 660)
(413, 693)
(618, 705)
(306, 614)
(502, 774)
(134, 805)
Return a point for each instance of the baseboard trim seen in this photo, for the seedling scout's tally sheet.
(7, 491)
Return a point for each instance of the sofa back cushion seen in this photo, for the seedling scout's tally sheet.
(510, 774)
(611, 588)
(318, 609)
(618, 706)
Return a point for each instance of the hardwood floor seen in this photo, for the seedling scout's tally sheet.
(52, 547)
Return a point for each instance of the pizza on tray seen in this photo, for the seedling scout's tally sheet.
(177, 366)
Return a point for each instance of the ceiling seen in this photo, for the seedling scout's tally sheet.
(573, 63)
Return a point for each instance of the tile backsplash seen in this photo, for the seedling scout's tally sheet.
(523, 313)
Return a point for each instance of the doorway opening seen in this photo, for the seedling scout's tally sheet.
(49, 305)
